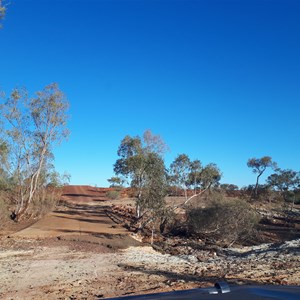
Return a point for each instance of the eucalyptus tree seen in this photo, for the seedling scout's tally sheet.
(285, 181)
(180, 170)
(229, 187)
(141, 163)
(152, 199)
(259, 166)
(185, 173)
(32, 126)
(116, 182)
(195, 174)
(209, 176)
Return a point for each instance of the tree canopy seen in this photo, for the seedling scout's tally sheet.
(185, 174)
(141, 163)
(285, 181)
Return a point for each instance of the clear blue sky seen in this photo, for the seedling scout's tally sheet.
(218, 80)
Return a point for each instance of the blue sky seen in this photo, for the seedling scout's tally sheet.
(218, 80)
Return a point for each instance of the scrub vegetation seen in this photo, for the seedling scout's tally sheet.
(214, 212)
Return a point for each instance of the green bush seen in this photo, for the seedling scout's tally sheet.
(292, 197)
(223, 221)
(113, 195)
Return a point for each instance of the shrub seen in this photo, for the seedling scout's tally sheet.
(292, 197)
(223, 221)
(44, 201)
(113, 195)
(297, 198)
(4, 211)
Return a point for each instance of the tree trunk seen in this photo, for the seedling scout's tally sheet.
(185, 194)
(138, 211)
(256, 185)
(152, 235)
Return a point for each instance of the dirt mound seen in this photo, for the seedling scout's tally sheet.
(84, 193)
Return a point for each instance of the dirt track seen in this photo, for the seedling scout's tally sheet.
(83, 214)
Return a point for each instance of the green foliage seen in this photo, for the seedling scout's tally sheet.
(286, 182)
(180, 170)
(210, 175)
(141, 163)
(154, 192)
(194, 178)
(289, 196)
(132, 161)
(56, 180)
(223, 221)
(230, 190)
(229, 187)
(259, 165)
(185, 174)
(116, 182)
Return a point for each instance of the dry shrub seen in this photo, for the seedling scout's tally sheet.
(225, 222)
(4, 210)
(113, 194)
(44, 201)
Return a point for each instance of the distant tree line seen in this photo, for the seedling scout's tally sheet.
(187, 177)
(141, 165)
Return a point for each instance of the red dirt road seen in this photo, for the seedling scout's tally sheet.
(84, 213)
